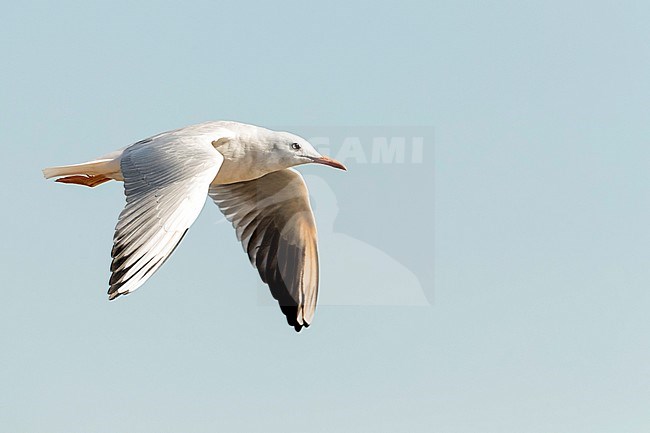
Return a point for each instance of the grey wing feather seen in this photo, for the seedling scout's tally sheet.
(166, 180)
(275, 224)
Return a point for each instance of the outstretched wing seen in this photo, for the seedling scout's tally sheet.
(166, 180)
(274, 222)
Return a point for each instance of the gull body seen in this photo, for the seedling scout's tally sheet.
(246, 170)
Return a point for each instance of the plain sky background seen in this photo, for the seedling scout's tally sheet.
(535, 233)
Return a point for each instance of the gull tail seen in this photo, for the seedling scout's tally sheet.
(90, 173)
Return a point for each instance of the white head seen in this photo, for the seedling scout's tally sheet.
(287, 150)
(251, 152)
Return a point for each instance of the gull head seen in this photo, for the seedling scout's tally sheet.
(290, 150)
(250, 152)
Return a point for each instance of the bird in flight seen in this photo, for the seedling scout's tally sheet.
(246, 170)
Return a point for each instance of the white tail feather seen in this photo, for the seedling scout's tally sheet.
(89, 168)
(108, 166)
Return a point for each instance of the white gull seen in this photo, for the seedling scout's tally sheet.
(247, 171)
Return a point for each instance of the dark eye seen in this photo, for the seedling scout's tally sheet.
(295, 146)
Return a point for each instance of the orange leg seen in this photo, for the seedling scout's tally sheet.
(86, 180)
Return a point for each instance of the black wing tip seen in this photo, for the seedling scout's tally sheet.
(298, 327)
(113, 294)
(291, 313)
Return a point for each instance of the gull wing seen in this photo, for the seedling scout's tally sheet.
(275, 224)
(166, 180)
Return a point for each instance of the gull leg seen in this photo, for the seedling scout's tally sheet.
(86, 180)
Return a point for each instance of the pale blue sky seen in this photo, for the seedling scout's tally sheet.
(531, 246)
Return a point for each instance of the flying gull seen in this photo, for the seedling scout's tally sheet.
(246, 170)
